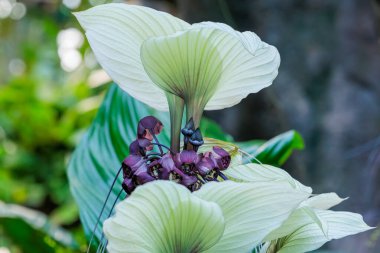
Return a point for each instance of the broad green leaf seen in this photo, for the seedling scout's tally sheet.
(250, 147)
(15, 231)
(275, 151)
(211, 129)
(251, 211)
(32, 229)
(164, 216)
(98, 157)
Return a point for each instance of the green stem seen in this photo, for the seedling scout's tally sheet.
(176, 106)
(194, 110)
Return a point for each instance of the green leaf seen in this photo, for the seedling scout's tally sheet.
(211, 129)
(32, 231)
(275, 151)
(98, 157)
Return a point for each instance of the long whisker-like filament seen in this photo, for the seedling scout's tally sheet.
(156, 140)
(223, 176)
(102, 210)
(252, 157)
(102, 246)
(156, 154)
(162, 145)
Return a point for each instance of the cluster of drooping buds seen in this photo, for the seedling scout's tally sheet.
(187, 167)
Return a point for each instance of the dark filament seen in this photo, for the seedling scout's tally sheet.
(101, 212)
(103, 245)
(156, 140)
(161, 145)
(222, 176)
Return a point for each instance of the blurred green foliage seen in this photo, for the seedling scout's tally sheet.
(45, 106)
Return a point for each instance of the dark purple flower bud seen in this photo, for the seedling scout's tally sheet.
(189, 157)
(167, 161)
(135, 149)
(188, 180)
(142, 176)
(189, 129)
(166, 166)
(128, 185)
(222, 157)
(154, 168)
(145, 144)
(205, 166)
(161, 168)
(147, 126)
(134, 161)
(131, 163)
(196, 138)
(140, 146)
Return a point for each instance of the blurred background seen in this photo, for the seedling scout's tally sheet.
(328, 89)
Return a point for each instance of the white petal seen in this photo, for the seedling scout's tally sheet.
(323, 201)
(251, 211)
(116, 32)
(190, 64)
(248, 72)
(309, 236)
(163, 216)
(253, 172)
(249, 39)
(300, 217)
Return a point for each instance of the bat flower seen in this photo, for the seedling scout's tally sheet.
(168, 63)
(172, 65)
(222, 157)
(135, 172)
(148, 127)
(188, 167)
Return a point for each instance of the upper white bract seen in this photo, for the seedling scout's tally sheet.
(149, 53)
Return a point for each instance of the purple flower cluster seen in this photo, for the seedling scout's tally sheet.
(187, 167)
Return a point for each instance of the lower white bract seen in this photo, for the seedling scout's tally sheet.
(269, 208)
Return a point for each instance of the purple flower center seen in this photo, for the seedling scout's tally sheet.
(187, 167)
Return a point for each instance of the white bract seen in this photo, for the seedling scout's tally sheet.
(151, 54)
(163, 216)
(311, 225)
(267, 208)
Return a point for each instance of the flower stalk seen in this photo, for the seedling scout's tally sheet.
(176, 108)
